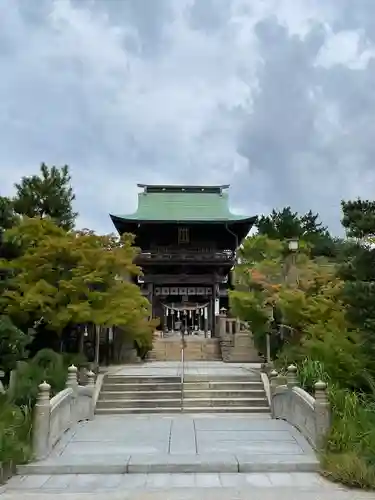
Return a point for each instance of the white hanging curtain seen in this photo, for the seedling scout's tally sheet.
(186, 308)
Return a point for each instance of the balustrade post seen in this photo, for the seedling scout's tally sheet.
(41, 422)
(222, 320)
(72, 380)
(91, 385)
(291, 377)
(322, 412)
(72, 383)
(273, 380)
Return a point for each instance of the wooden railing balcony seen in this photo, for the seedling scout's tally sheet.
(206, 257)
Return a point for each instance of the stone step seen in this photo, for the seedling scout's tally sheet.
(136, 409)
(224, 393)
(142, 387)
(226, 409)
(151, 401)
(141, 403)
(172, 464)
(227, 378)
(129, 379)
(221, 402)
(139, 395)
(172, 410)
(222, 386)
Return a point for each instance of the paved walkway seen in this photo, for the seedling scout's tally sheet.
(273, 486)
(179, 443)
(178, 457)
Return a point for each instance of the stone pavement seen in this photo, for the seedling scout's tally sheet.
(179, 443)
(273, 486)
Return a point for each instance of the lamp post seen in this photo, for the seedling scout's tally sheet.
(289, 277)
(268, 337)
(293, 246)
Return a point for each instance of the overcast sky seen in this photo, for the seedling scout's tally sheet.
(275, 97)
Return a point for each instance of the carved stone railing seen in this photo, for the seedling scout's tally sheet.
(310, 415)
(53, 417)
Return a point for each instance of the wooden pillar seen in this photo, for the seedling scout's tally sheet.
(213, 297)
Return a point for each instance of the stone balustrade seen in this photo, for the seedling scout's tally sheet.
(310, 415)
(54, 416)
(236, 340)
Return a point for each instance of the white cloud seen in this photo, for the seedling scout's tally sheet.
(238, 91)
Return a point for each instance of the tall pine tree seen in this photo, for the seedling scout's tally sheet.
(358, 270)
(48, 194)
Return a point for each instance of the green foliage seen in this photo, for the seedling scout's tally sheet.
(358, 271)
(298, 290)
(73, 278)
(311, 371)
(8, 217)
(15, 432)
(143, 342)
(48, 194)
(13, 343)
(350, 452)
(359, 218)
(46, 365)
(285, 224)
(77, 359)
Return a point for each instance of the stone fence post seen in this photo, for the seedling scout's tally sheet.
(72, 380)
(291, 377)
(42, 413)
(72, 383)
(273, 378)
(222, 323)
(322, 412)
(91, 385)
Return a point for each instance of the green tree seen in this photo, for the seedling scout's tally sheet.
(13, 343)
(307, 308)
(286, 224)
(358, 271)
(48, 194)
(73, 277)
(359, 218)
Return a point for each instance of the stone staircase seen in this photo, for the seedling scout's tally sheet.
(240, 394)
(122, 394)
(196, 349)
(236, 341)
(198, 394)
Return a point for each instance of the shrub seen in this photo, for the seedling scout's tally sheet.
(77, 359)
(309, 372)
(350, 469)
(13, 342)
(46, 365)
(349, 456)
(143, 343)
(48, 359)
(15, 432)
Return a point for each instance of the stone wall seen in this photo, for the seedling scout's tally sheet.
(53, 417)
(310, 415)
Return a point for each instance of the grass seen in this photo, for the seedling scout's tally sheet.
(15, 433)
(349, 453)
(348, 456)
(16, 406)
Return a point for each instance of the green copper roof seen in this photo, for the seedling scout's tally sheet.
(183, 203)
